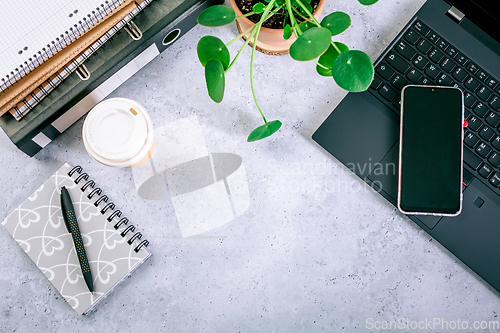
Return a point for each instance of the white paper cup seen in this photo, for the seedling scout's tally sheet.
(118, 132)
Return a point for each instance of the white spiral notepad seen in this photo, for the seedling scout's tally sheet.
(113, 247)
(31, 31)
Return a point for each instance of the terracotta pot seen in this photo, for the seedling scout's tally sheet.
(270, 41)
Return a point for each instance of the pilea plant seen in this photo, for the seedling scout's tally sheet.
(352, 70)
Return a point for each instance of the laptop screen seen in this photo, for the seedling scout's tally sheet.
(483, 13)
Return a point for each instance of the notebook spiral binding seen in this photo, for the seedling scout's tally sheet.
(64, 39)
(29, 102)
(115, 214)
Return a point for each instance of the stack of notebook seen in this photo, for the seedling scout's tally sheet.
(67, 55)
(54, 40)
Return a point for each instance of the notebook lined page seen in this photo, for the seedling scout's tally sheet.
(33, 30)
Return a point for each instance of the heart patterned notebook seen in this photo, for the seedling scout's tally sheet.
(113, 247)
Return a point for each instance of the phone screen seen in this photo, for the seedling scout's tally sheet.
(431, 150)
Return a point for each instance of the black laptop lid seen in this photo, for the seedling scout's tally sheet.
(485, 14)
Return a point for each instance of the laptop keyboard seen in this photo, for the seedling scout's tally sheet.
(423, 57)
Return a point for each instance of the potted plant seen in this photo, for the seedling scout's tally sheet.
(352, 70)
(271, 36)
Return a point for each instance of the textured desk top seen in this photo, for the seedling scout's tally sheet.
(316, 249)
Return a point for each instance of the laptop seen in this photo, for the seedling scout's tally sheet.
(449, 43)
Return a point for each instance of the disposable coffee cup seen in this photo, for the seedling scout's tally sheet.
(118, 133)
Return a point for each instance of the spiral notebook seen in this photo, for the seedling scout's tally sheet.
(30, 101)
(47, 27)
(113, 246)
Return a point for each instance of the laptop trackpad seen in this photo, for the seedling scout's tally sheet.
(359, 132)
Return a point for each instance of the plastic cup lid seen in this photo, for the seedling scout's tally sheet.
(116, 129)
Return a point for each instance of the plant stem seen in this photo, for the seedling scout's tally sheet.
(258, 26)
(299, 13)
(299, 31)
(295, 26)
(308, 12)
(245, 15)
(241, 50)
(248, 39)
(320, 65)
(251, 75)
(290, 13)
(336, 47)
(241, 35)
(274, 12)
(293, 21)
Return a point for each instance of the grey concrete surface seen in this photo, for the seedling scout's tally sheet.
(316, 251)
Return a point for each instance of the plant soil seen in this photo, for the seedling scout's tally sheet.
(275, 21)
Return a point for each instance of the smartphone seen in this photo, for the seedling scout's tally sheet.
(431, 150)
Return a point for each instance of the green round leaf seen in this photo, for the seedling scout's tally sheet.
(306, 25)
(264, 131)
(214, 76)
(367, 2)
(287, 32)
(311, 44)
(210, 47)
(353, 71)
(216, 16)
(259, 8)
(336, 22)
(328, 58)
